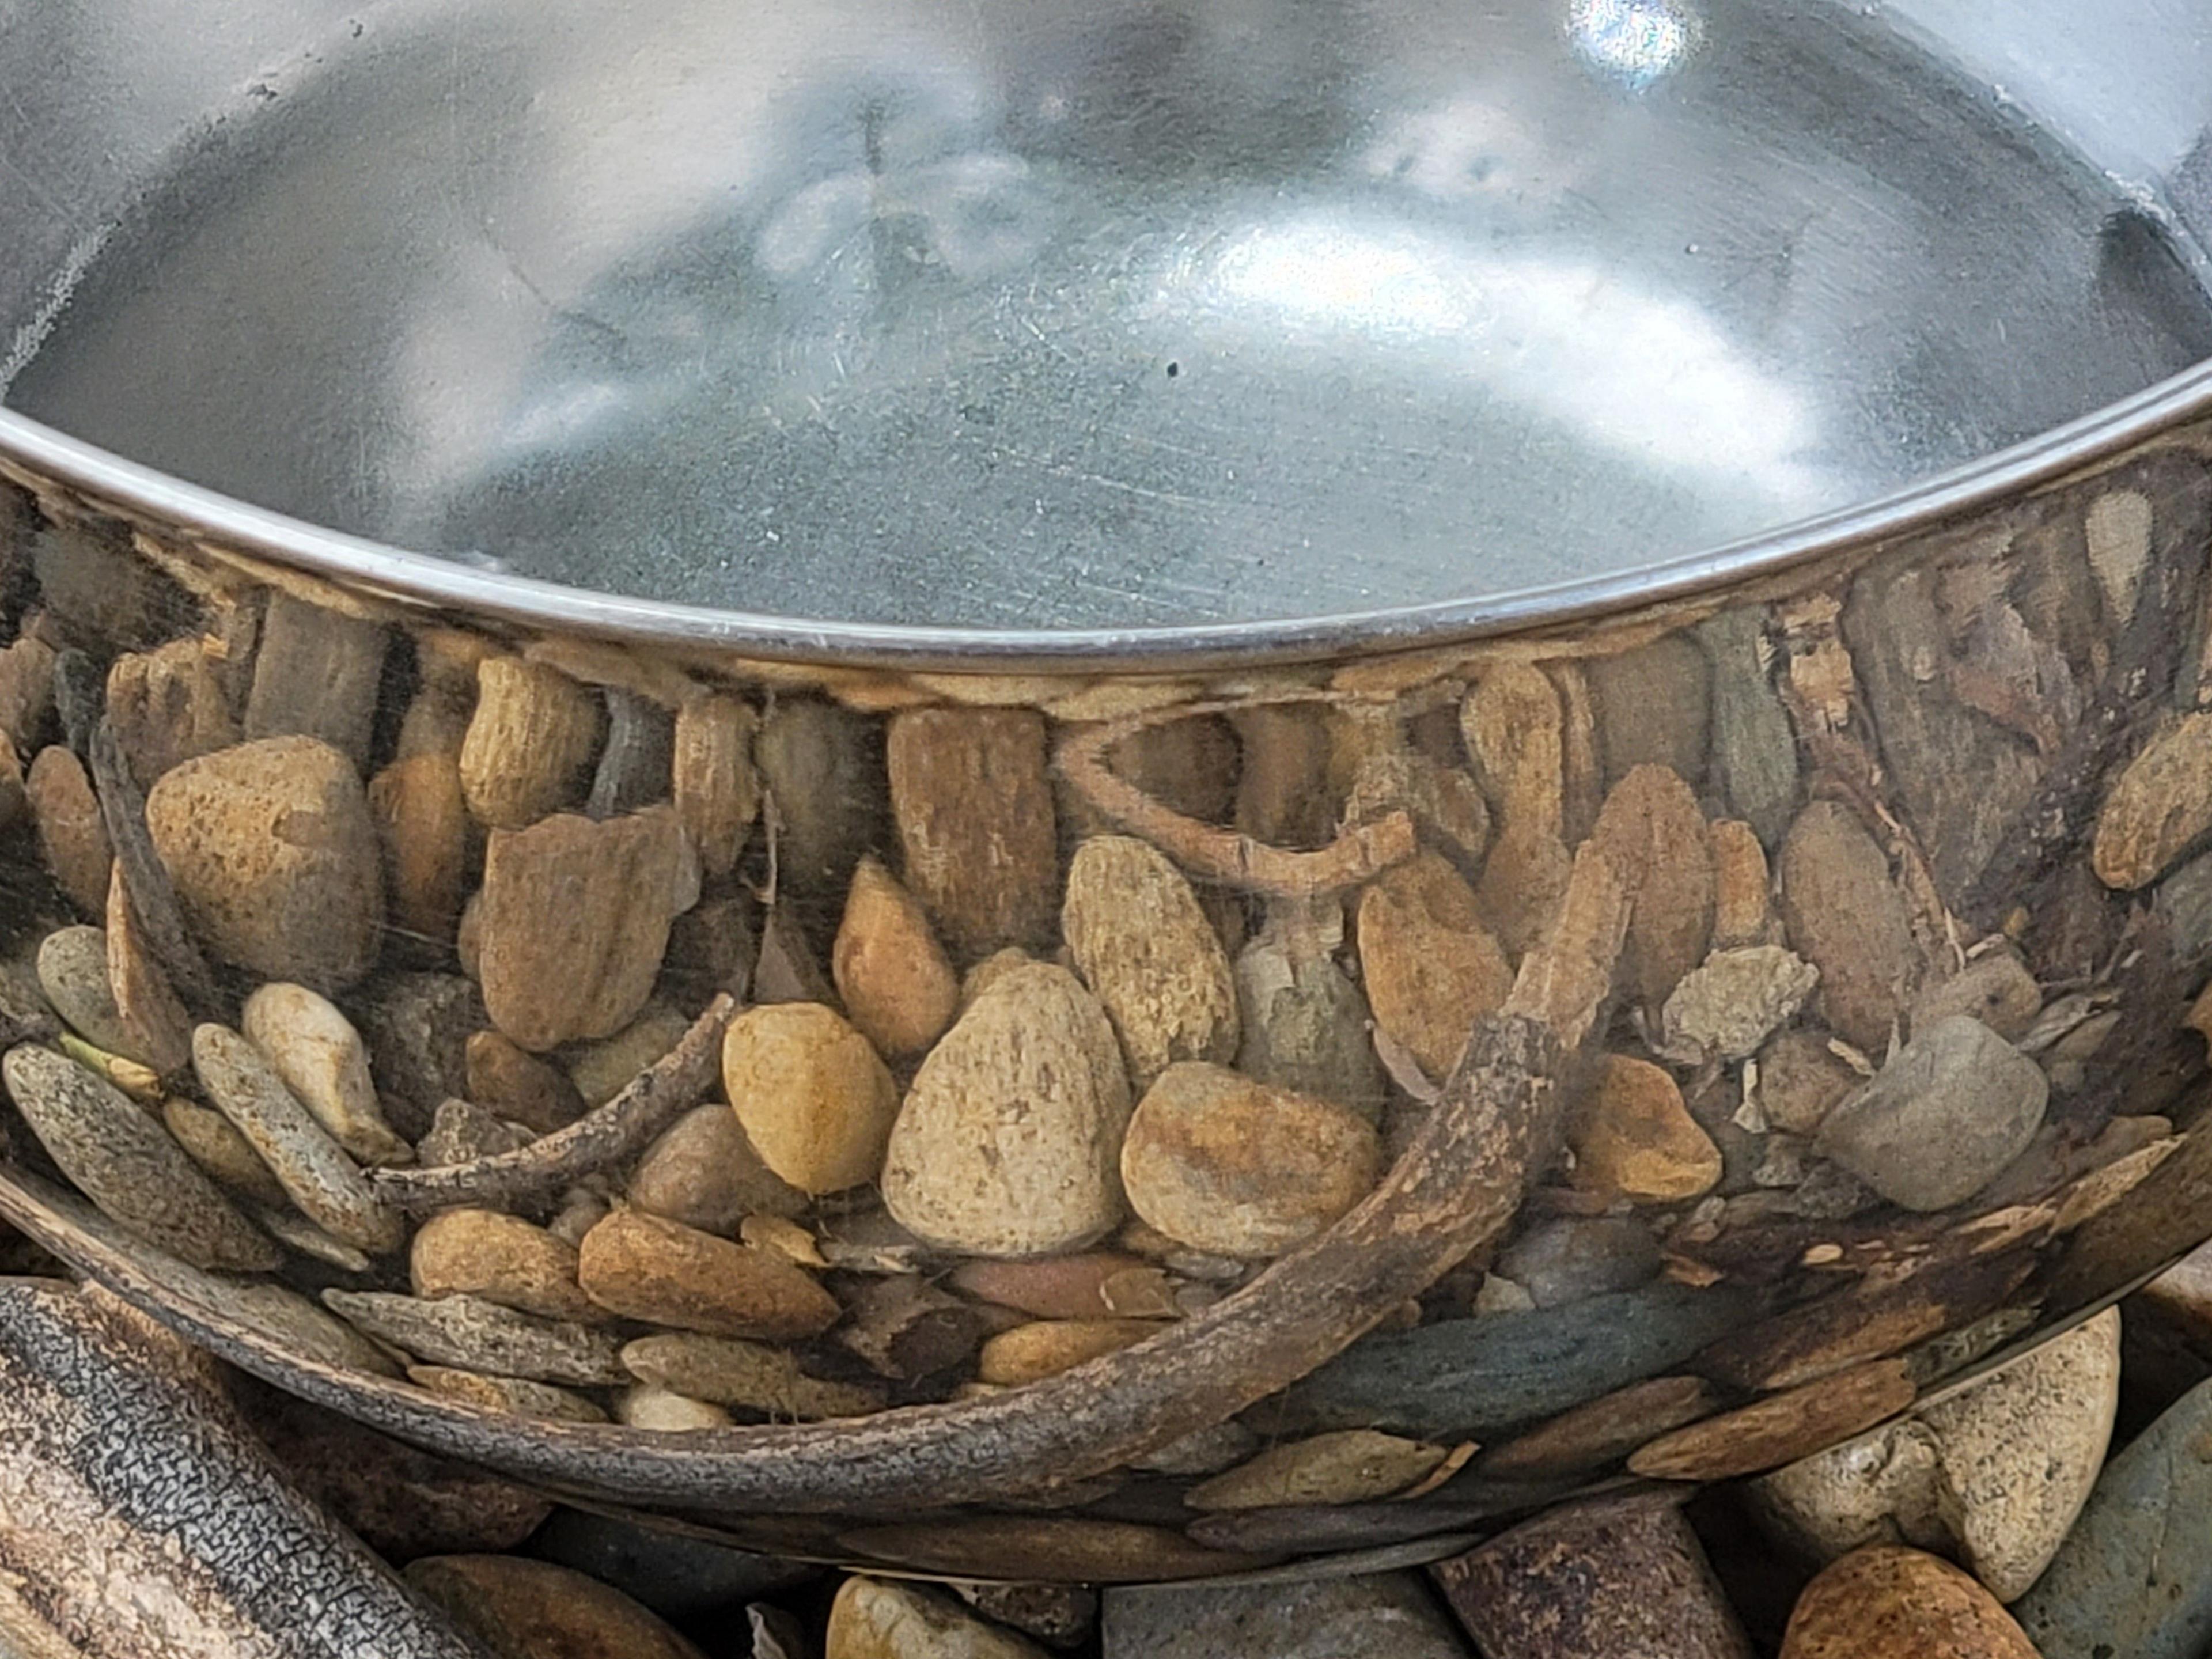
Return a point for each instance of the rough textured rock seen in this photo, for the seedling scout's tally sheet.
(525, 1609)
(1800, 1081)
(1009, 1142)
(315, 674)
(499, 1258)
(317, 1053)
(72, 839)
(898, 988)
(748, 1375)
(574, 923)
(816, 1101)
(884, 1619)
(476, 1335)
(1993, 1477)
(1350, 1466)
(463, 1131)
(1652, 832)
(72, 968)
(642, 1266)
(418, 1027)
(1376, 1616)
(1654, 708)
(1231, 1167)
(209, 1141)
(1755, 758)
(153, 1018)
(168, 707)
(1780, 1428)
(126, 1164)
(1996, 989)
(822, 766)
(1145, 949)
(1892, 1603)
(275, 858)
(1942, 1119)
(1741, 909)
(1847, 919)
(1305, 1023)
(974, 808)
(1730, 1003)
(2134, 1578)
(1431, 967)
(530, 743)
(717, 789)
(2160, 805)
(1636, 1139)
(704, 1173)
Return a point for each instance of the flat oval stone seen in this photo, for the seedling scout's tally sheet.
(1636, 1139)
(518, 1607)
(502, 1259)
(511, 1394)
(749, 1376)
(476, 1335)
(1888, 1602)
(1604, 1432)
(1846, 917)
(1431, 968)
(642, 1266)
(1780, 1428)
(319, 1055)
(1052, 1549)
(127, 1164)
(1062, 1287)
(1352, 1466)
(666, 1412)
(73, 974)
(209, 1141)
(1029, 1354)
(1143, 944)
(896, 982)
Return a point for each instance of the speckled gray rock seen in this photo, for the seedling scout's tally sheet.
(1754, 757)
(2134, 1578)
(1573, 1257)
(1942, 1120)
(73, 974)
(2185, 905)
(482, 1336)
(1381, 1616)
(1992, 1477)
(128, 1165)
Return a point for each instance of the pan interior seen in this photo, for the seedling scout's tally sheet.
(1023, 313)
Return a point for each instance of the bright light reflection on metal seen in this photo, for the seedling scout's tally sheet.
(1635, 42)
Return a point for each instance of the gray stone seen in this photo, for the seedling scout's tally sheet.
(1384, 1616)
(1306, 1026)
(677, 1576)
(2134, 1578)
(2185, 905)
(1477, 1376)
(476, 1335)
(417, 1026)
(1573, 1257)
(1942, 1119)
(1754, 748)
(73, 974)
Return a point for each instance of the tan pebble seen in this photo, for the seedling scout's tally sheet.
(1996, 989)
(717, 790)
(72, 969)
(746, 1375)
(158, 1029)
(1282, 798)
(514, 1607)
(1846, 917)
(14, 798)
(1431, 967)
(703, 1172)
(1801, 1080)
(1637, 1140)
(1652, 832)
(322, 1060)
(1731, 1002)
(275, 858)
(881, 1618)
(505, 1393)
(72, 838)
(897, 986)
(1029, 1354)
(1232, 1167)
(1740, 914)
(1076, 703)
(209, 1141)
(167, 706)
(643, 1266)
(1780, 1428)
(1524, 881)
(1009, 1141)
(987, 972)
(793, 1242)
(600, 1071)
(815, 1099)
(500, 1258)
(300, 1236)
(1511, 722)
(575, 922)
(27, 690)
(1095, 1285)
(530, 743)
(1144, 946)
(2159, 805)
(1654, 708)
(1890, 1602)
(666, 1412)
(316, 1174)
(1352, 1466)
(515, 1083)
(424, 830)
(316, 674)
(975, 820)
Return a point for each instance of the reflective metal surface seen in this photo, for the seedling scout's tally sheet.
(1113, 318)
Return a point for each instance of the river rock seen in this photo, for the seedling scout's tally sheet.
(209, 1141)
(1592, 1437)
(1888, 1602)
(1802, 1080)
(1571, 1257)
(642, 1266)
(523, 1609)
(1234, 1168)
(463, 1131)
(1615, 1577)
(1350, 1466)
(1780, 1428)
(1511, 723)
(73, 973)
(417, 1028)
(1431, 967)
(72, 838)
(1030, 1354)
(530, 743)
(1942, 1119)
(317, 1053)
(510, 1394)
(1993, 1477)
(816, 1101)
(1636, 1139)
(476, 1335)
(823, 768)
(973, 804)
(1848, 920)
(127, 1164)
(1733, 1001)
(26, 692)
(1009, 1142)
(2158, 807)
(1463, 1377)
(898, 988)
(1524, 881)
(717, 788)
(884, 1619)
(513, 1083)
(1996, 989)
(424, 828)
(749, 1376)
(499, 1258)
(704, 1173)
(314, 1170)
(1755, 758)
(275, 858)
(574, 923)
(2134, 1578)
(152, 1017)
(1741, 912)
(1305, 1023)
(1142, 944)
(1653, 833)
(1375, 1616)
(600, 1071)
(1097, 1285)
(166, 706)
(663, 1411)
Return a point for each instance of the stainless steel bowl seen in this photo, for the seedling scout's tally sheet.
(1386, 483)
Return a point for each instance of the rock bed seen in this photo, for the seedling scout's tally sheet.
(686, 1041)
